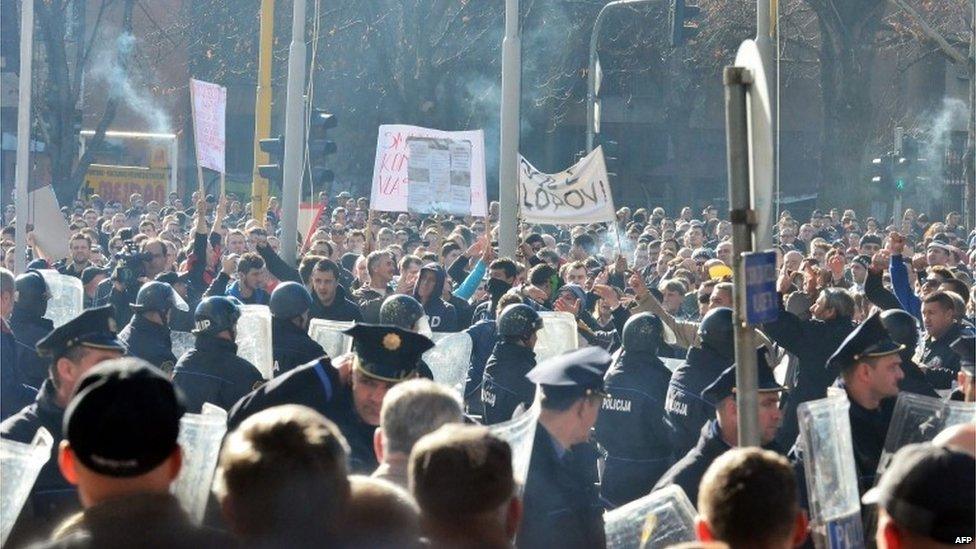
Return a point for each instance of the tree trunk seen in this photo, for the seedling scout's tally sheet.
(847, 55)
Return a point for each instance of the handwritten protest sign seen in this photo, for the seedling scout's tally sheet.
(580, 194)
(422, 170)
(209, 112)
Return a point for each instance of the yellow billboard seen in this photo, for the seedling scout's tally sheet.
(120, 182)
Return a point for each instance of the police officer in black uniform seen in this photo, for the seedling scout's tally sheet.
(965, 347)
(403, 311)
(561, 498)
(350, 395)
(211, 371)
(147, 335)
(29, 325)
(632, 428)
(903, 329)
(721, 433)
(70, 350)
(505, 385)
(290, 303)
(684, 408)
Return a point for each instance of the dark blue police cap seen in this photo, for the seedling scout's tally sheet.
(869, 340)
(724, 385)
(387, 353)
(577, 372)
(93, 328)
(965, 347)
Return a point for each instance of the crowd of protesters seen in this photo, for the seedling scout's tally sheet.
(871, 308)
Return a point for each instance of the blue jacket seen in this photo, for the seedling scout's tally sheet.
(902, 289)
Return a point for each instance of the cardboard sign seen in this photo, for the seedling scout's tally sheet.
(422, 170)
(209, 113)
(581, 194)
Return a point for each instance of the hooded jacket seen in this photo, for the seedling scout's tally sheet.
(441, 315)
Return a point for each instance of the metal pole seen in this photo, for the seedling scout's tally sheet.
(294, 136)
(735, 80)
(508, 168)
(262, 111)
(22, 171)
(591, 73)
(766, 23)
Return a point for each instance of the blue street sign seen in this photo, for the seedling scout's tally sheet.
(761, 300)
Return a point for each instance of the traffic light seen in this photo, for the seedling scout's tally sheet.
(274, 147)
(882, 168)
(319, 145)
(681, 20)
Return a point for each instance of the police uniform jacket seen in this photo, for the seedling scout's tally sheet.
(684, 408)
(632, 428)
(212, 372)
(941, 362)
(689, 470)
(915, 380)
(14, 394)
(292, 346)
(868, 431)
(143, 520)
(318, 386)
(505, 385)
(28, 329)
(52, 499)
(149, 341)
(562, 504)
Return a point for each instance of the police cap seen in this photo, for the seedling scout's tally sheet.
(576, 373)
(724, 385)
(93, 328)
(387, 353)
(869, 340)
(965, 347)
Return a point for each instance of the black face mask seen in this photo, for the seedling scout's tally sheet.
(497, 288)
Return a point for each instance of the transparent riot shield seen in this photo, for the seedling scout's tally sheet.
(67, 296)
(657, 520)
(449, 360)
(254, 338)
(557, 336)
(519, 433)
(328, 334)
(200, 438)
(181, 343)
(918, 418)
(831, 477)
(19, 466)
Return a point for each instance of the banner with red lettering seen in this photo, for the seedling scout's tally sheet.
(422, 170)
(209, 113)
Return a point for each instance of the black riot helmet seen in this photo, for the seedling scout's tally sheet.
(289, 300)
(32, 293)
(715, 332)
(159, 297)
(402, 311)
(902, 328)
(643, 333)
(215, 314)
(518, 321)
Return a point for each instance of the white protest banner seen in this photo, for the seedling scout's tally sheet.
(580, 194)
(422, 170)
(209, 102)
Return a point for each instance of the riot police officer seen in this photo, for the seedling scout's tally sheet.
(29, 326)
(684, 408)
(147, 334)
(903, 329)
(290, 303)
(505, 385)
(351, 397)
(631, 426)
(211, 371)
(405, 312)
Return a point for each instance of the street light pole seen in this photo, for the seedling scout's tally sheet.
(291, 179)
(591, 73)
(22, 171)
(508, 166)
